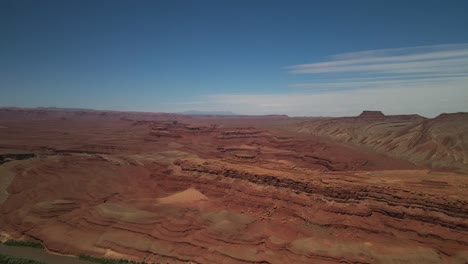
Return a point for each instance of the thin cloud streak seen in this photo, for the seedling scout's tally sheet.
(446, 65)
(378, 83)
(381, 52)
(388, 59)
(403, 77)
(435, 59)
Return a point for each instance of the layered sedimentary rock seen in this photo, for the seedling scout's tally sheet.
(210, 211)
(223, 192)
(441, 142)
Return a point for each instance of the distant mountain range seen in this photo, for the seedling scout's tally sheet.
(196, 112)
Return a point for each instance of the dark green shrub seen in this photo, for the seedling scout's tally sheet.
(109, 261)
(19, 243)
(4, 259)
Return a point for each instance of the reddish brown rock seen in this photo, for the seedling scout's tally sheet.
(235, 189)
(371, 114)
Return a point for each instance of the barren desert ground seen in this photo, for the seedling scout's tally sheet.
(171, 188)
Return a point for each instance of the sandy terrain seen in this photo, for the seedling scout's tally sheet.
(189, 195)
(205, 189)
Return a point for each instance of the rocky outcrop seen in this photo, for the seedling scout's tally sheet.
(371, 114)
(441, 142)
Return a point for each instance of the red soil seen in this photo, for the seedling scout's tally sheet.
(205, 189)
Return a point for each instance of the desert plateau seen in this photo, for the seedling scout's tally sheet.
(233, 132)
(175, 188)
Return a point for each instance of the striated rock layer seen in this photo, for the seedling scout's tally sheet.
(204, 190)
(441, 142)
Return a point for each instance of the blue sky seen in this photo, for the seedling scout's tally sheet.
(313, 58)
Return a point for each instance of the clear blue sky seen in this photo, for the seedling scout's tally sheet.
(245, 56)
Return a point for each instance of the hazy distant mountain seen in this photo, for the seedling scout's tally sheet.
(195, 112)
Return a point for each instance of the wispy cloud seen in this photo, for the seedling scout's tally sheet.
(381, 82)
(426, 80)
(435, 60)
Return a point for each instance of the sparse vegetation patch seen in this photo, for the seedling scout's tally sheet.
(109, 261)
(4, 259)
(20, 243)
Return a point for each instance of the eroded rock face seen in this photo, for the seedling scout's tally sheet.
(441, 142)
(371, 114)
(230, 191)
(10, 157)
(177, 210)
